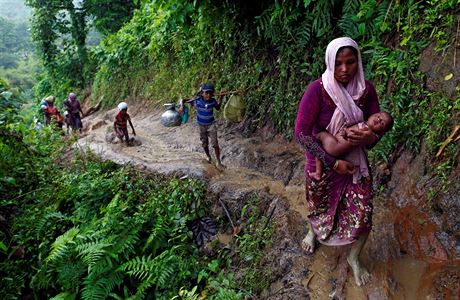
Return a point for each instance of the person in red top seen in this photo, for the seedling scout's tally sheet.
(120, 125)
(52, 114)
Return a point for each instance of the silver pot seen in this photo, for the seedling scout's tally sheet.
(171, 117)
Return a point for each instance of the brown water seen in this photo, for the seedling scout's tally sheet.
(177, 151)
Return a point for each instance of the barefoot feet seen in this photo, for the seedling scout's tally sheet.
(360, 274)
(308, 243)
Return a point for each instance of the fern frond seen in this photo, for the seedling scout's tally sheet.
(303, 33)
(158, 271)
(125, 243)
(93, 292)
(99, 286)
(158, 234)
(44, 221)
(139, 267)
(92, 252)
(64, 296)
(60, 245)
(69, 275)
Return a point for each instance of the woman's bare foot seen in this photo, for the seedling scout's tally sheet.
(308, 243)
(361, 275)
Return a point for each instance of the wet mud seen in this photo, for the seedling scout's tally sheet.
(404, 252)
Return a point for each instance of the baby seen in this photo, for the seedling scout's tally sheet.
(339, 145)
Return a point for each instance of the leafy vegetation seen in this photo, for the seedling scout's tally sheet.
(271, 50)
(250, 246)
(268, 50)
(60, 31)
(17, 63)
(81, 228)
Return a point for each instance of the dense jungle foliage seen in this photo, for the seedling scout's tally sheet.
(62, 219)
(18, 65)
(267, 50)
(73, 227)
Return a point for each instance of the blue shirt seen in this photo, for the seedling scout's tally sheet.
(205, 110)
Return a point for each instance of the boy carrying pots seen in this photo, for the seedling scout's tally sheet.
(205, 105)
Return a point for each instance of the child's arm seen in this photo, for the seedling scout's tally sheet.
(132, 127)
(181, 106)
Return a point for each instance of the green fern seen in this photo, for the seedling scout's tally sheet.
(322, 17)
(158, 271)
(98, 285)
(49, 217)
(70, 274)
(60, 247)
(64, 296)
(303, 34)
(92, 252)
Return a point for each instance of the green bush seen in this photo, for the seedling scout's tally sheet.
(90, 229)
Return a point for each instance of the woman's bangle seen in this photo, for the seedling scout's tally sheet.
(335, 165)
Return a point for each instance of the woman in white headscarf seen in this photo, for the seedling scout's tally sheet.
(340, 202)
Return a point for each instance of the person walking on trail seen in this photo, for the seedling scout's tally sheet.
(205, 105)
(73, 107)
(120, 125)
(340, 203)
(51, 112)
(43, 106)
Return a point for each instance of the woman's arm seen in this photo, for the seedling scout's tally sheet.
(307, 116)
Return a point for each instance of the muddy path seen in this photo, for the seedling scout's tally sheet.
(268, 164)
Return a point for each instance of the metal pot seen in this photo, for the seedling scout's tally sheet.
(171, 117)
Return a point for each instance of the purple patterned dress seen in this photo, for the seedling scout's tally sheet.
(338, 210)
(74, 109)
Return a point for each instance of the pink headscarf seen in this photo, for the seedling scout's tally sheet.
(347, 112)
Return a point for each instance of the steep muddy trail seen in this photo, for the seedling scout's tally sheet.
(273, 167)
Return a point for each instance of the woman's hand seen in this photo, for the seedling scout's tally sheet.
(343, 167)
(360, 137)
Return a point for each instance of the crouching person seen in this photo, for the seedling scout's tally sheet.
(120, 125)
(52, 115)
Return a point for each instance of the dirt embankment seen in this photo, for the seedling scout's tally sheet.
(405, 240)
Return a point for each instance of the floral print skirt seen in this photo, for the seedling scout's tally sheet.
(339, 211)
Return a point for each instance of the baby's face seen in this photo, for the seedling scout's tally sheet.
(378, 122)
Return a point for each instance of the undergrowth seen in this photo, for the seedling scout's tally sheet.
(251, 246)
(75, 227)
